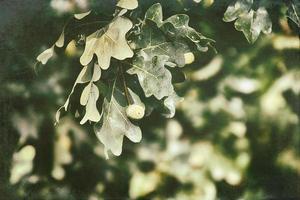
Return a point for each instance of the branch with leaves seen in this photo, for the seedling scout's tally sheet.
(133, 63)
(130, 62)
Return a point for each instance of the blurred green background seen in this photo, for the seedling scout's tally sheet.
(235, 136)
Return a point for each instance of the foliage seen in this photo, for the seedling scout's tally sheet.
(156, 44)
(234, 136)
(249, 21)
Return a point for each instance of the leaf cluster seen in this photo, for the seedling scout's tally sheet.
(133, 61)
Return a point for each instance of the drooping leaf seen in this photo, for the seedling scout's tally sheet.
(244, 24)
(262, 22)
(96, 73)
(61, 40)
(250, 22)
(128, 4)
(90, 95)
(85, 94)
(108, 43)
(82, 15)
(237, 9)
(170, 104)
(91, 113)
(115, 124)
(83, 77)
(176, 26)
(154, 78)
(155, 14)
(122, 12)
(253, 23)
(46, 55)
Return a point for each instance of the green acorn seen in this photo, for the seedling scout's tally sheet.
(189, 58)
(135, 111)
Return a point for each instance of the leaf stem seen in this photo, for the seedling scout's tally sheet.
(129, 100)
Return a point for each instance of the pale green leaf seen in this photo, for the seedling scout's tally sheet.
(45, 55)
(108, 43)
(128, 4)
(155, 14)
(253, 23)
(89, 97)
(244, 24)
(122, 12)
(61, 40)
(154, 78)
(153, 43)
(262, 22)
(85, 94)
(175, 52)
(236, 9)
(96, 73)
(81, 15)
(48, 53)
(83, 77)
(91, 111)
(180, 23)
(176, 26)
(149, 36)
(250, 22)
(115, 125)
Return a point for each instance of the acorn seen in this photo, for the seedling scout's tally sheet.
(135, 111)
(189, 58)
